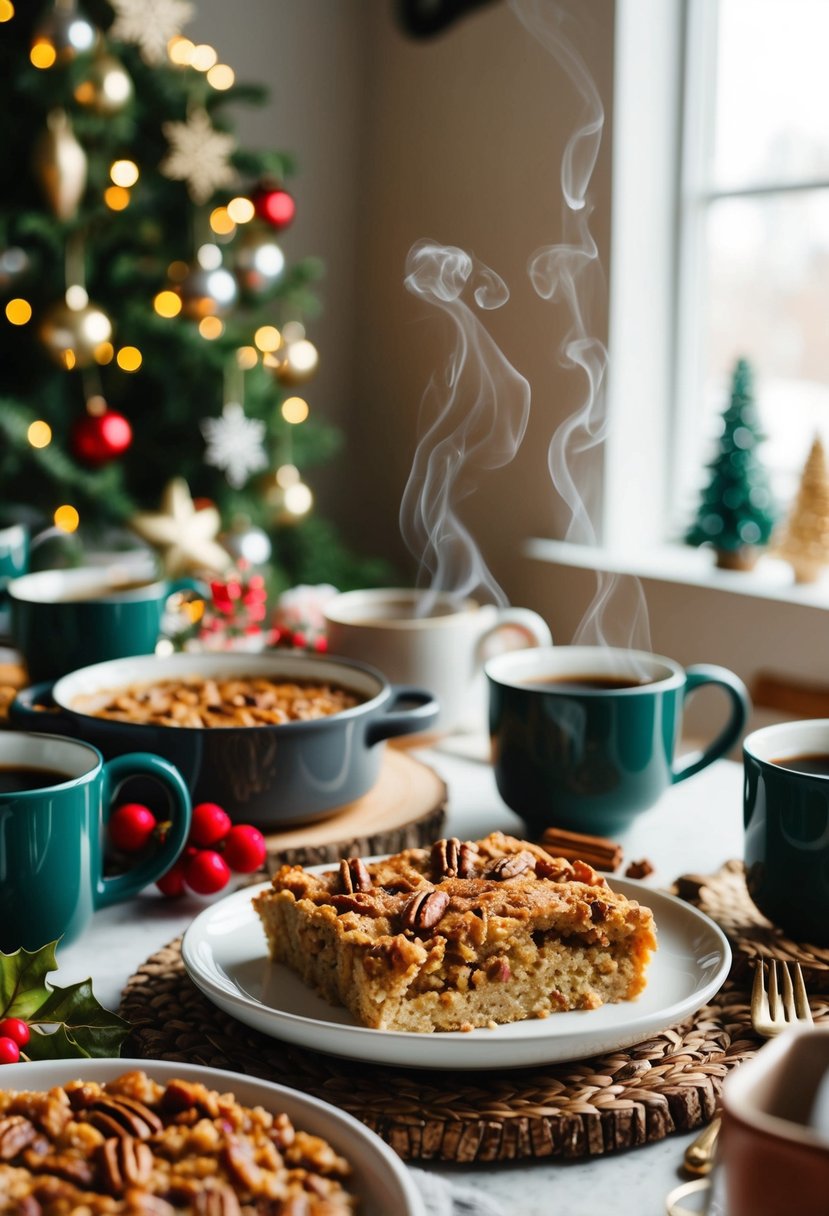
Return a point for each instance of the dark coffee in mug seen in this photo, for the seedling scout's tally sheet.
(579, 683)
(816, 763)
(16, 778)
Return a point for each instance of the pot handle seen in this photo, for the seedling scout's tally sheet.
(33, 708)
(389, 724)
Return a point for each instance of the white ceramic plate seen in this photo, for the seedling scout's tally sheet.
(380, 1179)
(226, 956)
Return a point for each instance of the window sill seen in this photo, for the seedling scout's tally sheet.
(771, 578)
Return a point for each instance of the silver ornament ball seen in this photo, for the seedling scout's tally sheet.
(249, 544)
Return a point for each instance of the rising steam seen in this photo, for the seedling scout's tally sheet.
(571, 273)
(472, 419)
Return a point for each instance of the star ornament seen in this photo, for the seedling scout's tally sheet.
(185, 534)
(199, 155)
(150, 24)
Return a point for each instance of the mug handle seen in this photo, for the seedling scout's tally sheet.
(406, 721)
(34, 709)
(534, 628)
(122, 886)
(697, 676)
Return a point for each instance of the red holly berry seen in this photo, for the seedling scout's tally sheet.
(15, 1029)
(209, 824)
(9, 1051)
(207, 872)
(131, 827)
(171, 884)
(244, 848)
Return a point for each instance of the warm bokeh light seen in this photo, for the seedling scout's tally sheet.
(240, 210)
(295, 410)
(209, 257)
(42, 54)
(6, 10)
(167, 304)
(211, 327)
(39, 434)
(180, 51)
(221, 285)
(177, 272)
(96, 405)
(76, 297)
(221, 221)
(293, 331)
(116, 198)
(298, 499)
(303, 355)
(287, 475)
(203, 57)
(67, 518)
(18, 311)
(267, 338)
(247, 357)
(104, 353)
(124, 172)
(69, 359)
(129, 358)
(221, 77)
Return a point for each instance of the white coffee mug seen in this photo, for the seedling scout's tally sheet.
(432, 640)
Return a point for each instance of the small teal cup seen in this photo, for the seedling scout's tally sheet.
(52, 836)
(14, 552)
(585, 737)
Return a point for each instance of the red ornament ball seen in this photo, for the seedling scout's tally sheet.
(171, 884)
(207, 872)
(209, 824)
(274, 205)
(15, 1029)
(131, 827)
(244, 848)
(99, 438)
(9, 1051)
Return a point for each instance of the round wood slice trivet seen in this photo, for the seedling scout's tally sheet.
(404, 809)
(725, 898)
(619, 1100)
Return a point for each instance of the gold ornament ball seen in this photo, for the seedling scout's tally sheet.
(107, 88)
(259, 262)
(206, 293)
(67, 31)
(294, 363)
(60, 165)
(73, 335)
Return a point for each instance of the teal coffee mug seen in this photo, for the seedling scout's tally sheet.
(65, 619)
(786, 820)
(14, 552)
(584, 737)
(56, 796)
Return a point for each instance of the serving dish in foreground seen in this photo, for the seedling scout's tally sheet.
(269, 774)
(226, 955)
(380, 1180)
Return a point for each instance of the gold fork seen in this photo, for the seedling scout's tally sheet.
(772, 1011)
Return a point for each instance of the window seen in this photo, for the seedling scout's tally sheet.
(753, 274)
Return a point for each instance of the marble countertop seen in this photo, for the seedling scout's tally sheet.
(696, 826)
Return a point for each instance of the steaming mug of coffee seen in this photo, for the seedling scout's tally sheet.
(430, 639)
(584, 737)
(786, 822)
(56, 795)
(65, 619)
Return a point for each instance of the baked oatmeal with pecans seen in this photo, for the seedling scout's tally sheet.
(465, 934)
(138, 1148)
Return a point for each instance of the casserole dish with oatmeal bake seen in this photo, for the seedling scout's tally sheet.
(275, 739)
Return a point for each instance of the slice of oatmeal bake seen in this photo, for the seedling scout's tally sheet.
(461, 935)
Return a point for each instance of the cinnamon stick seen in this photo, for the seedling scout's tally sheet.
(597, 851)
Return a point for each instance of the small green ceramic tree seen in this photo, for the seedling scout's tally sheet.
(737, 513)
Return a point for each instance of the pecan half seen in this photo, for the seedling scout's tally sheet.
(425, 909)
(125, 1162)
(190, 1095)
(216, 1201)
(296, 1205)
(69, 1166)
(598, 911)
(556, 869)
(357, 901)
(510, 867)
(16, 1133)
(142, 1203)
(238, 1157)
(354, 875)
(445, 856)
(118, 1115)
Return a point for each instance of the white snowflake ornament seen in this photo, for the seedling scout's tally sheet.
(199, 155)
(150, 24)
(234, 444)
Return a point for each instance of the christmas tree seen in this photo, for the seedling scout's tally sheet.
(153, 329)
(736, 513)
(804, 538)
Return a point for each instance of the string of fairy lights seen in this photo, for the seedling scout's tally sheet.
(75, 331)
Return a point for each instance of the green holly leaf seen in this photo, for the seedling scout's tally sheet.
(23, 987)
(71, 1022)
